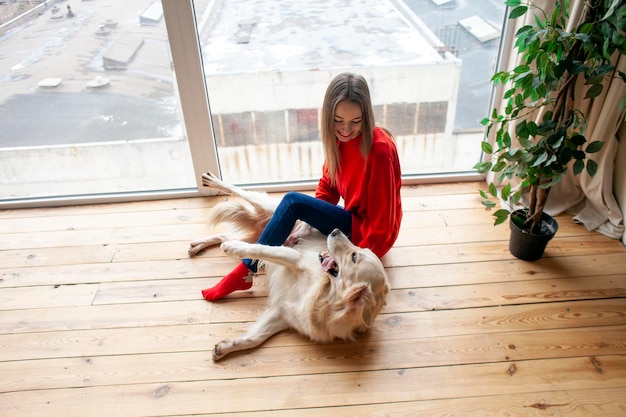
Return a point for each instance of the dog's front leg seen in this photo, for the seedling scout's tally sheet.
(268, 324)
(280, 255)
(198, 245)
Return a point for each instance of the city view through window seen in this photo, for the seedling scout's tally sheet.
(90, 104)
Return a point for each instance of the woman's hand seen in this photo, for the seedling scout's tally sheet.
(300, 230)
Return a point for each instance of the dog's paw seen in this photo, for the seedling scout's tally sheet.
(234, 248)
(195, 247)
(221, 349)
(210, 180)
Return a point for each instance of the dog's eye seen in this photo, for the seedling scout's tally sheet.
(354, 257)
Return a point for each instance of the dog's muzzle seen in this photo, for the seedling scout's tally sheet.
(335, 269)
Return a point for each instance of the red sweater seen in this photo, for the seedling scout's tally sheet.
(370, 189)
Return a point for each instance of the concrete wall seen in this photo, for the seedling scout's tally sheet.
(101, 167)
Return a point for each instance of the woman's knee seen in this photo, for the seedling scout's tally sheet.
(292, 197)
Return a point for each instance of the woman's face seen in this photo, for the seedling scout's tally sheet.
(348, 120)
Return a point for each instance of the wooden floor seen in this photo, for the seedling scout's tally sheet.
(101, 315)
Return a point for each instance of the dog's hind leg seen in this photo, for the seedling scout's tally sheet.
(268, 324)
(256, 198)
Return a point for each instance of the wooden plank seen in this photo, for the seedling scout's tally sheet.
(105, 317)
(103, 208)
(571, 403)
(448, 188)
(440, 202)
(325, 390)
(46, 297)
(186, 305)
(228, 319)
(95, 220)
(108, 236)
(112, 272)
(484, 232)
(463, 273)
(30, 257)
(499, 294)
(492, 251)
(312, 359)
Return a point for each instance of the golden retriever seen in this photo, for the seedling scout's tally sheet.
(323, 306)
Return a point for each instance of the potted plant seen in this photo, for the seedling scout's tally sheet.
(539, 134)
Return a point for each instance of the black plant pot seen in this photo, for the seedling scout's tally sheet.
(528, 246)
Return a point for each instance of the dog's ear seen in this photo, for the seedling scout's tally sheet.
(359, 297)
(355, 295)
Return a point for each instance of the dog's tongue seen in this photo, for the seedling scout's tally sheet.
(335, 269)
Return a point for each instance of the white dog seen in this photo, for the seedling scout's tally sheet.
(321, 305)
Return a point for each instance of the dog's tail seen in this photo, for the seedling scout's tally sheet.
(246, 221)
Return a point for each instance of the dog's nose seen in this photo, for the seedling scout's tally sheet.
(335, 232)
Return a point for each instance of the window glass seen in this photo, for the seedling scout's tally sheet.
(88, 102)
(267, 65)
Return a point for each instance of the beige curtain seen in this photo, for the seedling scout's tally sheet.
(591, 200)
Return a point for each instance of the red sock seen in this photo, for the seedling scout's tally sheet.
(235, 280)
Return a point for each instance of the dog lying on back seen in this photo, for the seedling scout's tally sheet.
(324, 306)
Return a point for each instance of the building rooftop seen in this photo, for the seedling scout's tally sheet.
(288, 35)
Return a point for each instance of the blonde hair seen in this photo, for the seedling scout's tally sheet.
(354, 88)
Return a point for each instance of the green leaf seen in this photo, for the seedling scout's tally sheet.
(512, 3)
(594, 91)
(488, 204)
(487, 148)
(517, 12)
(523, 30)
(493, 190)
(555, 141)
(521, 69)
(501, 216)
(579, 165)
(526, 143)
(506, 139)
(499, 166)
(578, 140)
(592, 167)
(483, 194)
(594, 146)
(483, 167)
(611, 10)
(520, 129)
(506, 192)
(617, 38)
(542, 158)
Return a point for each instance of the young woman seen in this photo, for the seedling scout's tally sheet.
(361, 166)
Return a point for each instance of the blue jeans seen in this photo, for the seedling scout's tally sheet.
(294, 206)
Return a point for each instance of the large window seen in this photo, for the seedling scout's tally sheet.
(119, 98)
(88, 101)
